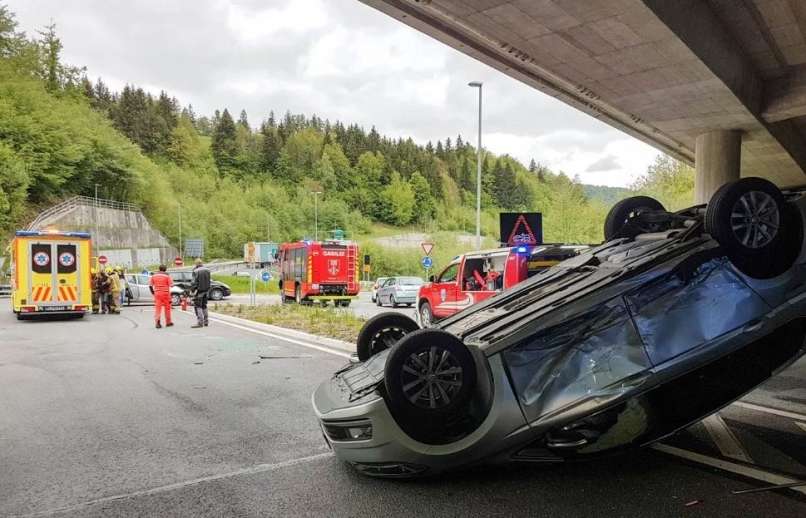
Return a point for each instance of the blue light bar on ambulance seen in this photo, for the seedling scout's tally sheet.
(44, 233)
(521, 249)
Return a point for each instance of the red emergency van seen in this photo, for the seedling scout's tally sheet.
(319, 271)
(473, 277)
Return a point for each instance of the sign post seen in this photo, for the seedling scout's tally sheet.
(102, 260)
(427, 263)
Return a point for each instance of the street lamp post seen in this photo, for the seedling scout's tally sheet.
(316, 214)
(179, 211)
(477, 84)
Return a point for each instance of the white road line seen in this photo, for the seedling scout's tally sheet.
(274, 335)
(724, 438)
(260, 468)
(732, 467)
(284, 338)
(769, 410)
(802, 426)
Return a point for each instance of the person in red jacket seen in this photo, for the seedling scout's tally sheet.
(160, 285)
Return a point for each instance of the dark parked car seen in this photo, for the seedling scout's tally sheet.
(675, 316)
(218, 290)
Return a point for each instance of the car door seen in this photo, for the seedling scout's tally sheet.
(445, 291)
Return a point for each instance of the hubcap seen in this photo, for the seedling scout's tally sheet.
(755, 219)
(431, 378)
(425, 316)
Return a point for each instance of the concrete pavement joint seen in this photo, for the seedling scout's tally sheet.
(260, 468)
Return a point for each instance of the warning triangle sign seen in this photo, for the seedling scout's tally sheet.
(522, 233)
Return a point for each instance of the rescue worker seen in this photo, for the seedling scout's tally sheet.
(103, 291)
(160, 285)
(114, 291)
(200, 287)
(96, 294)
(124, 286)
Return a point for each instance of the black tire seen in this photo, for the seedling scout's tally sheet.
(429, 373)
(392, 301)
(382, 332)
(426, 314)
(283, 298)
(759, 232)
(378, 302)
(616, 222)
(216, 294)
(345, 303)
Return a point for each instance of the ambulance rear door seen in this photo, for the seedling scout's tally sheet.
(55, 272)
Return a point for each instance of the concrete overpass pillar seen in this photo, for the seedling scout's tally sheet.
(717, 161)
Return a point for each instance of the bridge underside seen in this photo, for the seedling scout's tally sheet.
(671, 73)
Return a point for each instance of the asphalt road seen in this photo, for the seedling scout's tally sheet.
(108, 416)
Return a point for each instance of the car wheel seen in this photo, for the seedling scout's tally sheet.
(381, 332)
(622, 212)
(760, 233)
(426, 315)
(345, 303)
(175, 299)
(392, 301)
(298, 295)
(378, 302)
(430, 372)
(216, 294)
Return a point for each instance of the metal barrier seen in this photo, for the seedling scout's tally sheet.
(76, 201)
(5, 290)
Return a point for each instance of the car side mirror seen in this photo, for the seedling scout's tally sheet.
(431, 278)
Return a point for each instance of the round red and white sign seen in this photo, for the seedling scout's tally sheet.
(102, 259)
(67, 259)
(41, 259)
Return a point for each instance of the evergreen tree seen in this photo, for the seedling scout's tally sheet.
(51, 47)
(424, 203)
(224, 146)
(242, 120)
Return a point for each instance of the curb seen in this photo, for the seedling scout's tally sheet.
(332, 343)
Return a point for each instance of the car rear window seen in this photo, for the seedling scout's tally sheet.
(410, 281)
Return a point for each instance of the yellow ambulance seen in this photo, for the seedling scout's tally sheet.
(50, 273)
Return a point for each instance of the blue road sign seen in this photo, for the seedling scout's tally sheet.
(427, 262)
(266, 276)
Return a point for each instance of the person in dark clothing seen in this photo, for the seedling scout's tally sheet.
(200, 287)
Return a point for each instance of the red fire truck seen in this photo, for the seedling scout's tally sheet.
(476, 276)
(319, 271)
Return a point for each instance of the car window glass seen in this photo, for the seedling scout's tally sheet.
(686, 308)
(575, 358)
(410, 281)
(142, 279)
(449, 273)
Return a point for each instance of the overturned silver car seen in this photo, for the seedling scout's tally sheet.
(675, 316)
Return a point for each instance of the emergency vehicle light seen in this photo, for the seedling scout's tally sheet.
(521, 249)
(35, 233)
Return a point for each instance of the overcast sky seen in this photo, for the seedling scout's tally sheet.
(339, 59)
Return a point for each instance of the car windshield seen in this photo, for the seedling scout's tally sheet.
(410, 281)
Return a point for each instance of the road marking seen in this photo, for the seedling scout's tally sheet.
(802, 426)
(274, 335)
(284, 338)
(260, 468)
(724, 438)
(732, 467)
(770, 410)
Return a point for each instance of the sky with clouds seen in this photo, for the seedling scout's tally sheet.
(339, 59)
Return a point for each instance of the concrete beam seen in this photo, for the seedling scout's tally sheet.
(785, 97)
(698, 27)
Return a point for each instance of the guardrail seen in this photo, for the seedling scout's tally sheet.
(76, 201)
(5, 290)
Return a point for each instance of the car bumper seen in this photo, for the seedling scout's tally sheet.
(405, 298)
(390, 452)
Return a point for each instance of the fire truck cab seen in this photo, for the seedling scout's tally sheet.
(319, 271)
(50, 273)
(476, 276)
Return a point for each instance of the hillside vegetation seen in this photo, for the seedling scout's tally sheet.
(235, 181)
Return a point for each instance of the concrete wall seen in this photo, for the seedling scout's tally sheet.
(124, 236)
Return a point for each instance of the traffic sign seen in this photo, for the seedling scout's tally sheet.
(427, 247)
(427, 262)
(266, 276)
(178, 261)
(102, 259)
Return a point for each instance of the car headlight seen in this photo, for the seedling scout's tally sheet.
(348, 430)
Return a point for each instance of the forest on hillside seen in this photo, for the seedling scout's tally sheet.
(235, 179)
